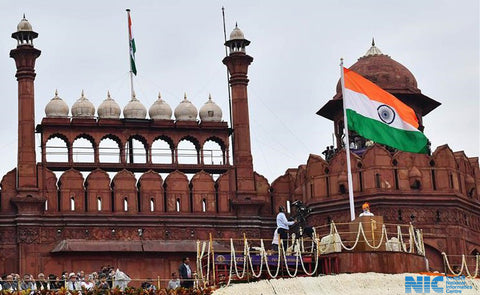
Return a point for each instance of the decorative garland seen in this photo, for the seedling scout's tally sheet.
(463, 265)
(415, 244)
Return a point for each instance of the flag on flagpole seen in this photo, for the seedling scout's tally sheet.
(379, 116)
(133, 68)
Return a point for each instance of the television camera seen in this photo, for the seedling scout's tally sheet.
(301, 214)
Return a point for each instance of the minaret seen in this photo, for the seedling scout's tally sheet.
(237, 63)
(25, 55)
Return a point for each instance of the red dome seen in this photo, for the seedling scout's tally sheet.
(388, 74)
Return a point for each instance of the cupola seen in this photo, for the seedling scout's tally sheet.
(186, 111)
(24, 34)
(134, 109)
(210, 111)
(160, 110)
(237, 42)
(83, 108)
(56, 107)
(109, 108)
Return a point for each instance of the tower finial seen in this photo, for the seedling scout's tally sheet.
(108, 94)
(56, 92)
(185, 96)
(159, 95)
(24, 15)
(373, 41)
(236, 25)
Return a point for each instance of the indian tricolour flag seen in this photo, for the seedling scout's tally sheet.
(379, 116)
(133, 68)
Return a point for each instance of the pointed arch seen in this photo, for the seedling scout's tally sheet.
(151, 191)
(225, 192)
(213, 151)
(71, 184)
(99, 191)
(203, 188)
(163, 150)
(56, 148)
(109, 149)
(136, 149)
(177, 188)
(83, 148)
(125, 188)
(188, 150)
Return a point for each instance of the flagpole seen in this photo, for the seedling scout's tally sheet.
(228, 74)
(347, 147)
(132, 91)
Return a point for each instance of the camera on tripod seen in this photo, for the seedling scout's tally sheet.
(301, 211)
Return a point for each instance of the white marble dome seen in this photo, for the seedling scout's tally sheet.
(56, 107)
(210, 111)
(109, 108)
(134, 109)
(160, 110)
(83, 108)
(24, 25)
(186, 111)
(237, 34)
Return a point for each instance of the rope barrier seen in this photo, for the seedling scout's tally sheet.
(318, 247)
(462, 266)
(280, 248)
(266, 263)
(251, 263)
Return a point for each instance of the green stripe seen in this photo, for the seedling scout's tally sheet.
(409, 141)
(133, 67)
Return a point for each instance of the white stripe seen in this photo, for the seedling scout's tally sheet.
(366, 107)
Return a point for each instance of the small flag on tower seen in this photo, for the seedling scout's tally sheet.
(131, 40)
(379, 116)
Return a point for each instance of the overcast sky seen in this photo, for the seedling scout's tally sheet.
(296, 48)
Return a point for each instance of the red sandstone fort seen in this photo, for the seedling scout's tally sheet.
(99, 210)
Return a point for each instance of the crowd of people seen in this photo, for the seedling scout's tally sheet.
(104, 279)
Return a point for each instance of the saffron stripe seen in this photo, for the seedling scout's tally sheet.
(357, 83)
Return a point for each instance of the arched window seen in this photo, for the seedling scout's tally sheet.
(288, 207)
(125, 204)
(108, 151)
(135, 151)
(204, 205)
(178, 205)
(377, 180)
(152, 205)
(82, 151)
(46, 205)
(99, 204)
(56, 150)
(72, 204)
(161, 152)
(212, 153)
(187, 152)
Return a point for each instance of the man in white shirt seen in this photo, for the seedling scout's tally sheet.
(282, 226)
(174, 283)
(72, 283)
